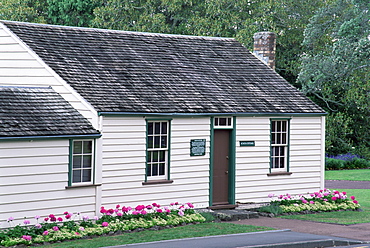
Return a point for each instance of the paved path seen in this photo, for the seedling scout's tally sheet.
(341, 184)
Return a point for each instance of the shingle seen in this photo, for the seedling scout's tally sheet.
(119, 71)
(27, 111)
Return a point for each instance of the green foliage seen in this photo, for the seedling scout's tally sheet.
(334, 164)
(27, 10)
(272, 208)
(207, 216)
(71, 12)
(336, 73)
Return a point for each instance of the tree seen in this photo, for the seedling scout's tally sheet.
(27, 11)
(71, 12)
(336, 72)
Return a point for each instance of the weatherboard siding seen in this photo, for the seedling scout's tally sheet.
(19, 66)
(123, 172)
(33, 180)
(252, 162)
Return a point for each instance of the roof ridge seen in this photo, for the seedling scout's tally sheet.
(121, 31)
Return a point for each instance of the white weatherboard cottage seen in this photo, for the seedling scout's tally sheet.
(161, 118)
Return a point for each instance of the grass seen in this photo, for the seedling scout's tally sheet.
(189, 231)
(351, 175)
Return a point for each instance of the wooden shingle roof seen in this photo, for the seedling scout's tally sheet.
(29, 112)
(120, 71)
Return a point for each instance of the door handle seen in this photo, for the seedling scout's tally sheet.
(227, 157)
(226, 172)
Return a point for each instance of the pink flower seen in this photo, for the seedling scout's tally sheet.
(334, 198)
(103, 210)
(37, 217)
(312, 202)
(55, 228)
(77, 233)
(344, 193)
(135, 212)
(355, 202)
(139, 207)
(45, 233)
(68, 216)
(149, 207)
(51, 215)
(353, 197)
(46, 219)
(336, 192)
(26, 222)
(172, 203)
(176, 203)
(26, 237)
(65, 213)
(143, 212)
(53, 219)
(159, 210)
(38, 226)
(104, 224)
(81, 228)
(10, 219)
(118, 206)
(304, 201)
(154, 204)
(181, 213)
(325, 199)
(96, 217)
(168, 210)
(271, 195)
(60, 218)
(124, 209)
(119, 214)
(190, 205)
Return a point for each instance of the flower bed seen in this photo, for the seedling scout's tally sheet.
(117, 220)
(322, 201)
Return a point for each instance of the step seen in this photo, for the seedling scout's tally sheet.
(234, 214)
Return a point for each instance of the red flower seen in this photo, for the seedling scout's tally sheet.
(355, 202)
(60, 219)
(65, 213)
(68, 216)
(353, 197)
(46, 219)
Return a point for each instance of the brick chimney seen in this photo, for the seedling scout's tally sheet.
(264, 47)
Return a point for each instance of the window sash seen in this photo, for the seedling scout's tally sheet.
(157, 149)
(279, 145)
(81, 162)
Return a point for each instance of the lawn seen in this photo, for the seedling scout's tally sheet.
(351, 175)
(189, 231)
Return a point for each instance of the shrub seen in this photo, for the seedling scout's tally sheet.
(345, 162)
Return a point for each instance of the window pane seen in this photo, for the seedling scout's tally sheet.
(87, 147)
(229, 121)
(164, 127)
(164, 142)
(76, 177)
(284, 125)
(150, 142)
(157, 128)
(149, 157)
(282, 151)
(222, 122)
(278, 126)
(149, 170)
(77, 161)
(273, 138)
(276, 162)
(161, 169)
(155, 170)
(216, 122)
(87, 159)
(77, 147)
(273, 126)
(284, 138)
(150, 128)
(155, 156)
(281, 162)
(278, 140)
(86, 175)
(161, 156)
(156, 142)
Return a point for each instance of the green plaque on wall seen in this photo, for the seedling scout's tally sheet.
(197, 147)
(247, 143)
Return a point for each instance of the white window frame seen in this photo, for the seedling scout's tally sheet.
(222, 122)
(73, 155)
(279, 145)
(157, 145)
